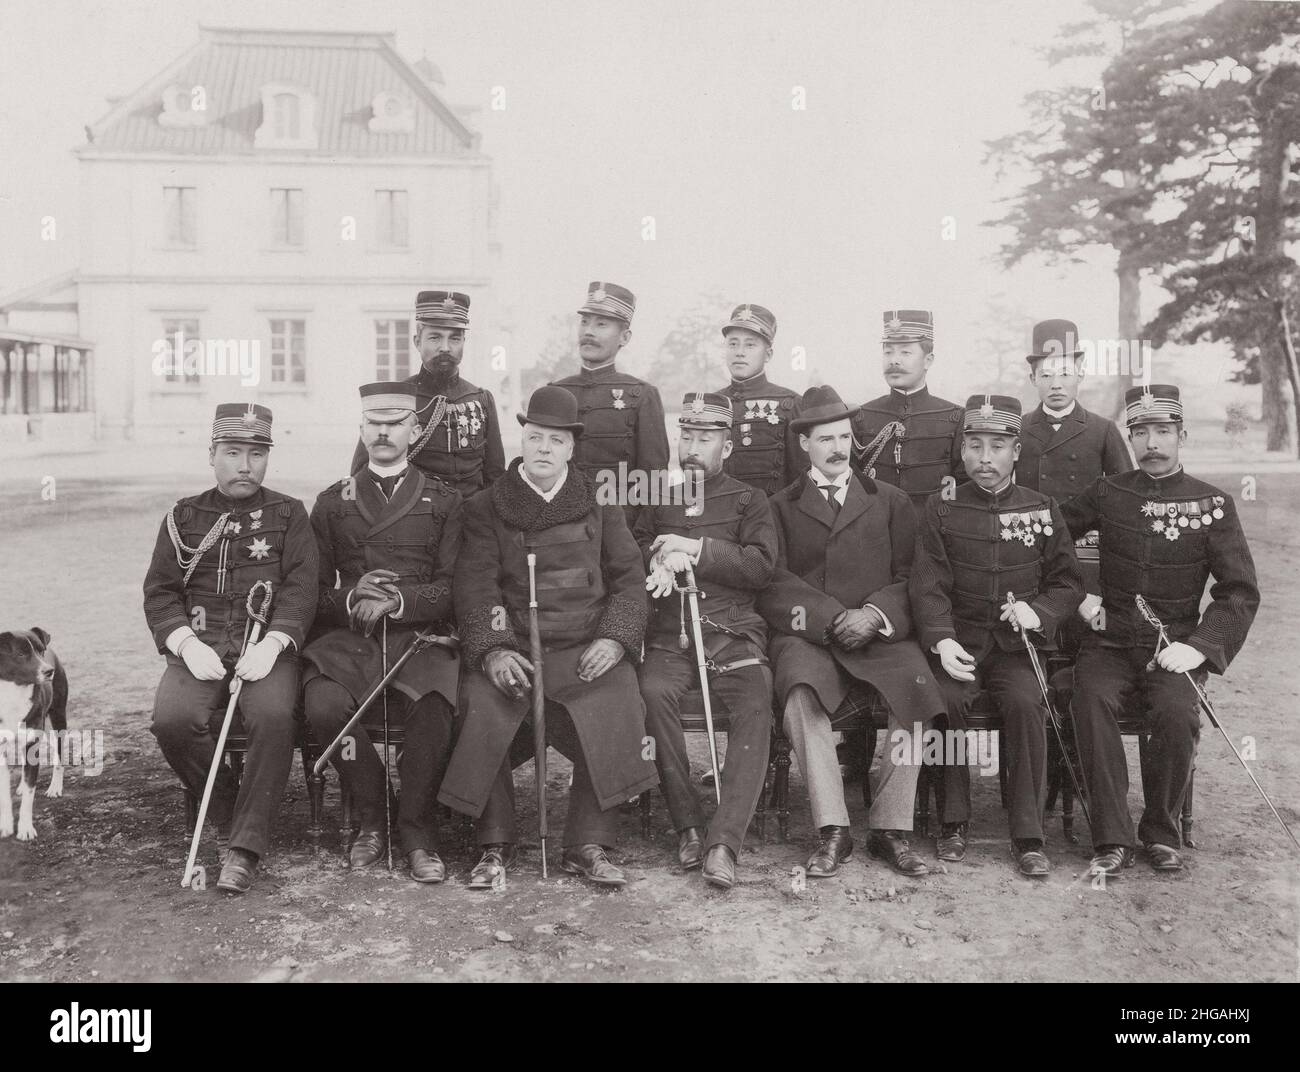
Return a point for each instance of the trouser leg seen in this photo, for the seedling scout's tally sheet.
(664, 678)
(327, 706)
(183, 709)
(1105, 684)
(586, 823)
(1011, 682)
(426, 751)
(808, 728)
(747, 693)
(958, 697)
(1174, 721)
(893, 790)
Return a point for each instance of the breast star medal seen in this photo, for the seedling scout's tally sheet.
(233, 528)
(259, 548)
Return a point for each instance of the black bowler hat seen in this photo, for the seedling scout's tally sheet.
(821, 405)
(552, 407)
(1055, 338)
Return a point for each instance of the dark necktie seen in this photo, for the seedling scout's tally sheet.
(387, 484)
(830, 490)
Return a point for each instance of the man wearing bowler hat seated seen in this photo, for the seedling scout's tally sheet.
(592, 613)
(840, 616)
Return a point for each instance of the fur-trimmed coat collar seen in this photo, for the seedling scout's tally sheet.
(522, 508)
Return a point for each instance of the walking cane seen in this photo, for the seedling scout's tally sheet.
(539, 704)
(388, 781)
(1052, 716)
(692, 593)
(1145, 610)
(256, 619)
(418, 643)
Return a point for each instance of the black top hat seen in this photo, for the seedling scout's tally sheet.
(1055, 338)
(553, 407)
(821, 405)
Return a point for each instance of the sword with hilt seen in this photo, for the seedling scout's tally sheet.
(692, 592)
(257, 618)
(1163, 640)
(539, 704)
(1052, 715)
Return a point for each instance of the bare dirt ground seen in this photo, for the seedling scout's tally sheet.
(97, 896)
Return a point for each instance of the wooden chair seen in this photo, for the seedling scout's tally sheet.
(776, 785)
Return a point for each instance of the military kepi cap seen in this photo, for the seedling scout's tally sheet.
(442, 308)
(704, 409)
(553, 407)
(821, 405)
(752, 318)
(609, 299)
(1054, 338)
(388, 400)
(992, 413)
(242, 422)
(1156, 403)
(908, 325)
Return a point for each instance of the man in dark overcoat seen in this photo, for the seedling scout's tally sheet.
(839, 610)
(387, 537)
(591, 598)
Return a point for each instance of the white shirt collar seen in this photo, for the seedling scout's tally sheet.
(547, 496)
(388, 470)
(1057, 414)
(821, 479)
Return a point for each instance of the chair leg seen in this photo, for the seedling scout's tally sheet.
(783, 787)
(315, 789)
(1002, 772)
(192, 812)
(921, 812)
(870, 742)
(1186, 819)
(1053, 773)
(346, 828)
(645, 805)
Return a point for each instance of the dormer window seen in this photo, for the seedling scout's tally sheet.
(288, 119)
(183, 107)
(391, 114)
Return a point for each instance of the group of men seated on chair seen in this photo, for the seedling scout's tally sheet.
(833, 584)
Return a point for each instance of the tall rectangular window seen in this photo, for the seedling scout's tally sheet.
(181, 338)
(391, 219)
(392, 349)
(286, 217)
(178, 209)
(288, 351)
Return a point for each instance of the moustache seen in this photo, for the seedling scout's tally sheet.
(836, 458)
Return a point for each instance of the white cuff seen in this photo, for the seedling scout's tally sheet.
(888, 630)
(174, 638)
(286, 641)
(401, 609)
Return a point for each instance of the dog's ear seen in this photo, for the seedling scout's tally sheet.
(42, 634)
(8, 641)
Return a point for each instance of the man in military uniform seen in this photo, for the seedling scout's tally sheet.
(211, 549)
(591, 613)
(765, 454)
(1163, 535)
(908, 438)
(388, 537)
(840, 615)
(622, 416)
(990, 541)
(460, 437)
(724, 530)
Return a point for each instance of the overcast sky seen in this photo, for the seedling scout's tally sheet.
(681, 111)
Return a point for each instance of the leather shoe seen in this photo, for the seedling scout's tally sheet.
(720, 867)
(367, 849)
(892, 847)
(591, 863)
(835, 846)
(950, 846)
(237, 871)
(426, 866)
(1110, 860)
(690, 847)
(1164, 858)
(1029, 856)
(495, 862)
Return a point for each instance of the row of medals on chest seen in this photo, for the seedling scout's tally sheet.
(259, 548)
(1172, 517)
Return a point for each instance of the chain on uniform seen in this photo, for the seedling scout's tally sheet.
(893, 428)
(439, 404)
(188, 557)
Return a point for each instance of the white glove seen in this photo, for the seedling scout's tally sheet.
(257, 661)
(1024, 615)
(957, 661)
(1090, 608)
(659, 582)
(1179, 658)
(201, 660)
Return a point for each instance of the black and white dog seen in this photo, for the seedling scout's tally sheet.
(33, 692)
